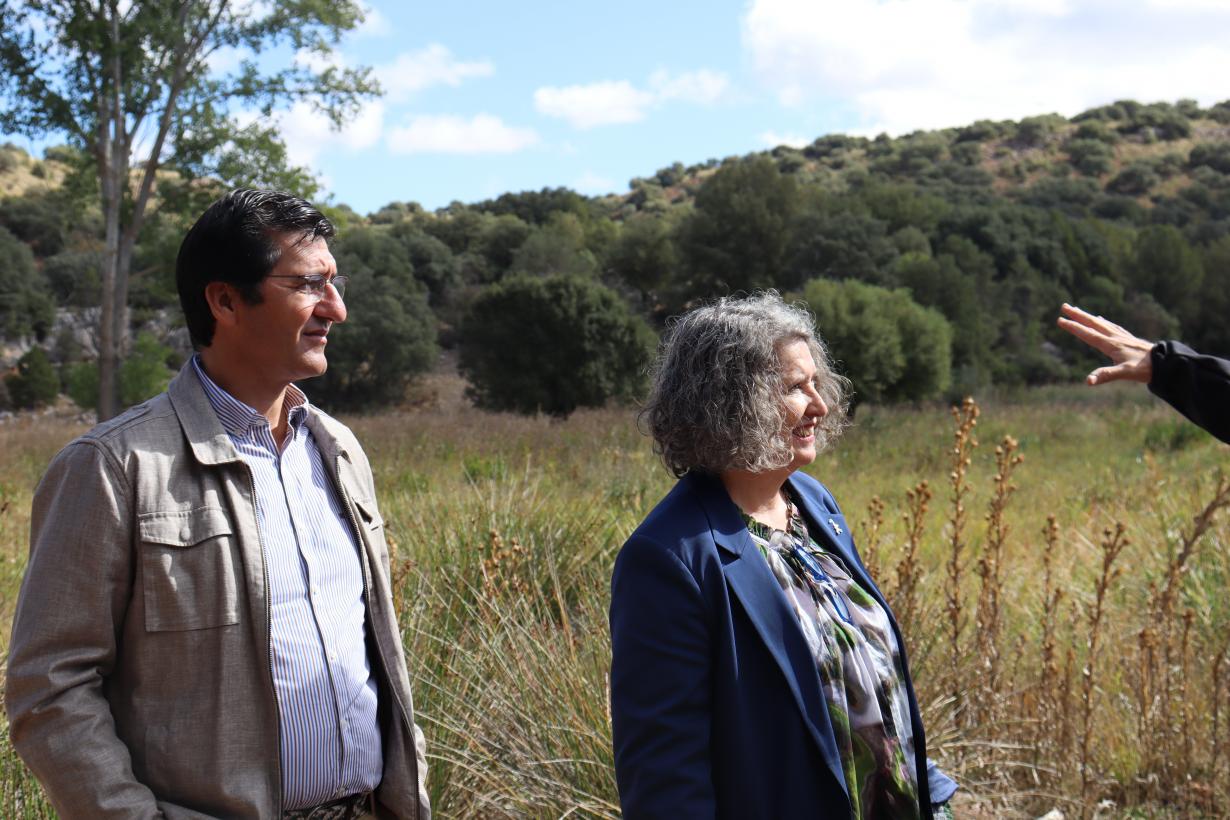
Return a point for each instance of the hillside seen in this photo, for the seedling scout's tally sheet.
(982, 230)
(1122, 149)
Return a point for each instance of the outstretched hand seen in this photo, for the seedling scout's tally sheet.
(1130, 354)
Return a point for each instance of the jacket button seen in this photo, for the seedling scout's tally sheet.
(185, 534)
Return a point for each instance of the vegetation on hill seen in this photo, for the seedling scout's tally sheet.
(1124, 209)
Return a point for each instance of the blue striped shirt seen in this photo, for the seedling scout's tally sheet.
(330, 738)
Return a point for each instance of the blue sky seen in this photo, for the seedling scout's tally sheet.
(485, 97)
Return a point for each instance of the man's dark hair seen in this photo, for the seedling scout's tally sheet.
(236, 241)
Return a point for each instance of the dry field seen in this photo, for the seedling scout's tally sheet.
(1059, 563)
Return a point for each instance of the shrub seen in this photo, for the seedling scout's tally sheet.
(1036, 131)
(35, 383)
(1135, 180)
(74, 277)
(1096, 130)
(892, 348)
(551, 345)
(25, 305)
(81, 384)
(38, 219)
(1215, 155)
(144, 373)
(1089, 156)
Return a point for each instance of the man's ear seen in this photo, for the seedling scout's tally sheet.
(223, 300)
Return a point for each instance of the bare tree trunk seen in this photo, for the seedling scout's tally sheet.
(113, 173)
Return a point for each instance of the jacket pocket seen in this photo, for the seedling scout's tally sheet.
(372, 526)
(188, 566)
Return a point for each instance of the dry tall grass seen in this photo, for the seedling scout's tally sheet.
(1065, 600)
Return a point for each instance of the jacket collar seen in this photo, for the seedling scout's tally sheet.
(775, 621)
(209, 440)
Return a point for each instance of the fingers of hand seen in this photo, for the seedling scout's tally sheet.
(1077, 315)
(1092, 337)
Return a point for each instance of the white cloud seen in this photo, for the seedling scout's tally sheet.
(374, 24)
(434, 65)
(320, 61)
(308, 133)
(772, 139)
(448, 134)
(703, 87)
(613, 102)
(225, 59)
(586, 106)
(591, 183)
(909, 64)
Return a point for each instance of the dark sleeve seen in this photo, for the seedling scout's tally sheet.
(1195, 385)
(660, 712)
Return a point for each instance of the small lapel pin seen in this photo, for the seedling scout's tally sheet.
(835, 527)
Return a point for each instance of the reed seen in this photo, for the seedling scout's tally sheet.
(1053, 681)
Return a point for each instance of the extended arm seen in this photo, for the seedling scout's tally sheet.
(69, 612)
(660, 714)
(1195, 385)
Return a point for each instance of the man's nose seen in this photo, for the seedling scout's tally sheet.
(331, 306)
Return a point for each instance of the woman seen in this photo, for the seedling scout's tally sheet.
(757, 670)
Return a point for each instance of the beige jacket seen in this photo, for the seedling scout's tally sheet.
(139, 680)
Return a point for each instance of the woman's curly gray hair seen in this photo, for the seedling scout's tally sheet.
(717, 400)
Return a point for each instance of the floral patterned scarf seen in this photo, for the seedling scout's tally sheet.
(859, 664)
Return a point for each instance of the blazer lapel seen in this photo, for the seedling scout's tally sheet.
(750, 579)
(833, 533)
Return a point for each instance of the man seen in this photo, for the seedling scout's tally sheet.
(206, 628)
(1195, 385)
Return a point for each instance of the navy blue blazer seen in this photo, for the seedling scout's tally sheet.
(716, 705)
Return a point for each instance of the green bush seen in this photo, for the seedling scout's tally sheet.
(1135, 180)
(892, 348)
(552, 344)
(74, 277)
(39, 219)
(25, 304)
(389, 337)
(144, 373)
(1215, 155)
(35, 383)
(81, 384)
(1089, 156)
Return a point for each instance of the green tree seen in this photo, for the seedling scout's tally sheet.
(25, 301)
(103, 74)
(145, 372)
(1166, 267)
(892, 348)
(389, 338)
(556, 248)
(644, 257)
(35, 383)
(552, 344)
(739, 235)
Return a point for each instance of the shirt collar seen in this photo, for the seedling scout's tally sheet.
(238, 418)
